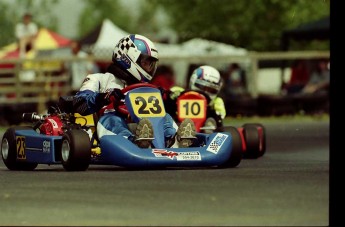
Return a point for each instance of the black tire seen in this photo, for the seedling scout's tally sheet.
(262, 138)
(75, 150)
(252, 140)
(9, 151)
(237, 152)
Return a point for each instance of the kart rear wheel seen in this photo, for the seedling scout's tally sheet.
(237, 152)
(262, 137)
(76, 150)
(252, 140)
(9, 151)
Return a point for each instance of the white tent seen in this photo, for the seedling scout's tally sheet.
(109, 35)
(104, 37)
(202, 47)
(196, 51)
(102, 40)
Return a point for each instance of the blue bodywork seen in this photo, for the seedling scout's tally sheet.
(208, 149)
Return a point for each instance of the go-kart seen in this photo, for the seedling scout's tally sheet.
(61, 137)
(194, 105)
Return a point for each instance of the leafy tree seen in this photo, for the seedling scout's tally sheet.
(96, 11)
(252, 24)
(12, 12)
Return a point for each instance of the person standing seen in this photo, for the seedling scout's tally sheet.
(235, 83)
(80, 67)
(26, 32)
(319, 79)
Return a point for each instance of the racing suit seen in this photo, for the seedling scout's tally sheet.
(89, 100)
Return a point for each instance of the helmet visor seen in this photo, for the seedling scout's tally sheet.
(148, 63)
(206, 86)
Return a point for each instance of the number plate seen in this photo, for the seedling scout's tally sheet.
(147, 104)
(191, 108)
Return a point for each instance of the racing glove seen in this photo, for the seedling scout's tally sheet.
(219, 107)
(175, 92)
(112, 95)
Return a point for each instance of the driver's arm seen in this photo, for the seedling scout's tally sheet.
(219, 107)
(94, 94)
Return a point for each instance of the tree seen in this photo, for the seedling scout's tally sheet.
(12, 12)
(252, 24)
(96, 11)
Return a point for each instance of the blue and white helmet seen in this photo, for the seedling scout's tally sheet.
(206, 79)
(138, 55)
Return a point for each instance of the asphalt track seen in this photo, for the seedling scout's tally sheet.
(288, 186)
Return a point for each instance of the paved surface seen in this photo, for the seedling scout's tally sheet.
(289, 186)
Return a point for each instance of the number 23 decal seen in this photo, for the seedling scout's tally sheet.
(145, 104)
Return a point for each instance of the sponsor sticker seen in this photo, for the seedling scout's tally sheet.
(216, 143)
(180, 156)
(188, 156)
(162, 153)
(55, 125)
(46, 146)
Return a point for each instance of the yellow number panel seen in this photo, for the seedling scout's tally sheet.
(147, 104)
(20, 141)
(191, 108)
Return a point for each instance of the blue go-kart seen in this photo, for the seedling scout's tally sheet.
(62, 137)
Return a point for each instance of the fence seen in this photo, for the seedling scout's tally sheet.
(41, 80)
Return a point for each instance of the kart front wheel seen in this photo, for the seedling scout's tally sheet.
(236, 152)
(9, 151)
(75, 150)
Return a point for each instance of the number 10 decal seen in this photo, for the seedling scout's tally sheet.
(190, 108)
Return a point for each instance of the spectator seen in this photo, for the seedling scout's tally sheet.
(235, 82)
(80, 67)
(299, 77)
(319, 79)
(164, 77)
(26, 32)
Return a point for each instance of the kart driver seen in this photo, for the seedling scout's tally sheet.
(134, 60)
(205, 80)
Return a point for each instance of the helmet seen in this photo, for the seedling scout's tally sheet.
(137, 55)
(206, 79)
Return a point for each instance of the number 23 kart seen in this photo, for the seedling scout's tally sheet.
(58, 138)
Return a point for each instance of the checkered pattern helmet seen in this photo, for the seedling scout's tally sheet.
(138, 55)
(207, 79)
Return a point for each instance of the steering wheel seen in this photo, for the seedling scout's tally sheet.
(121, 107)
